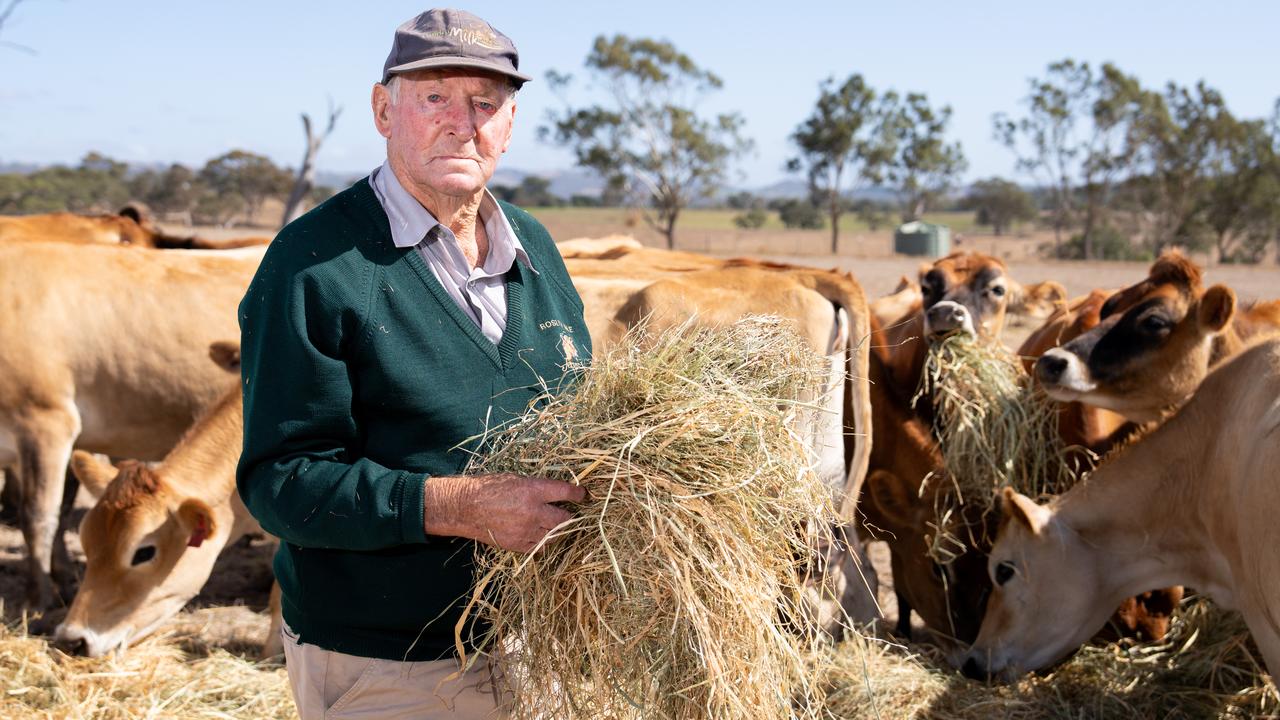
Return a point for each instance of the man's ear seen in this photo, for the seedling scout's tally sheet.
(196, 519)
(1217, 307)
(1022, 509)
(92, 473)
(890, 499)
(380, 101)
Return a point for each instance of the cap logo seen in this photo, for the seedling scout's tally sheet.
(468, 36)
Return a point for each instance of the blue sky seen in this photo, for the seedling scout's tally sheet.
(176, 80)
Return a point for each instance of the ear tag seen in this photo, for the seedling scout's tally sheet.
(199, 534)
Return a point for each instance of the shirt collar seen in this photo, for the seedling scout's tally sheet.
(410, 221)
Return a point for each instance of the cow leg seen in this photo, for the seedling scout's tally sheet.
(10, 496)
(903, 628)
(44, 449)
(63, 569)
(274, 644)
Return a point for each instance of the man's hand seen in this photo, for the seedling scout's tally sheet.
(512, 512)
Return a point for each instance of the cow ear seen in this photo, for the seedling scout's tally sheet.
(1022, 509)
(196, 519)
(92, 473)
(890, 499)
(1217, 307)
(226, 355)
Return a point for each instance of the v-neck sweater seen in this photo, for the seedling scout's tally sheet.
(362, 378)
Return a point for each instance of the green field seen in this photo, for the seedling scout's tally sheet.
(719, 219)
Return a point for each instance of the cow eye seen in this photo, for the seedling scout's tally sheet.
(1155, 323)
(1004, 573)
(997, 290)
(146, 553)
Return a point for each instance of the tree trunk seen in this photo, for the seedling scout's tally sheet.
(670, 229)
(305, 182)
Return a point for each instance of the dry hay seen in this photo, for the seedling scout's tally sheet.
(1206, 667)
(673, 592)
(157, 678)
(995, 429)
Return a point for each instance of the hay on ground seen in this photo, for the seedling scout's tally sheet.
(1206, 667)
(155, 679)
(673, 593)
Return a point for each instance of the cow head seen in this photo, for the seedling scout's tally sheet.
(1153, 344)
(949, 597)
(148, 550)
(1046, 599)
(965, 292)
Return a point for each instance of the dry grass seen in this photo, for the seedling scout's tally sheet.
(1205, 668)
(996, 429)
(157, 678)
(673, 593)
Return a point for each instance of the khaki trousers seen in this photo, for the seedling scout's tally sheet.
(330, 685)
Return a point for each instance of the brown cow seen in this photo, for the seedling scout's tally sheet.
(151, 539)
(130, 226)
(107, 351)
(1155, 342)
(1201, 506)
(965, 292)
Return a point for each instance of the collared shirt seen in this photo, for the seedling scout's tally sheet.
(481, 292)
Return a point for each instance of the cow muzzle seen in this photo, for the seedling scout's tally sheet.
(948, 316)
(80, 640)
(1064, 375)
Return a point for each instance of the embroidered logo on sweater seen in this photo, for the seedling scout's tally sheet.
(568, 348)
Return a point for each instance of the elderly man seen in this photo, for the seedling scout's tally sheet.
(384, 331)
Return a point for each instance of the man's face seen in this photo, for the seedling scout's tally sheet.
(446, 130)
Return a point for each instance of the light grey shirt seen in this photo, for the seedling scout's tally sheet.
(480, 292)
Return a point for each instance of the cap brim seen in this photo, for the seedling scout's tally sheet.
(455, 61)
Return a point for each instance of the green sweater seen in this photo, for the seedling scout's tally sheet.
(361, 377)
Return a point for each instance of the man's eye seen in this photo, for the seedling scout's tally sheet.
(486, 106)
(434, 98)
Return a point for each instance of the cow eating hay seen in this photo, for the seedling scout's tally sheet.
(674, 591)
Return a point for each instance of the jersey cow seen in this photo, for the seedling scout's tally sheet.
(130, 226)
(1154, 342)
(105, 350)
(151, 539)
(1178, 506)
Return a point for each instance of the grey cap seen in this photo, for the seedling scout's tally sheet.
(452, 38)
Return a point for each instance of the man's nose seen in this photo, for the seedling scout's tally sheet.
(461, 121)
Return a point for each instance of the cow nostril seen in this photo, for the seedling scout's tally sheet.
(1051, 367)
(72, 646)
(959, 314)
(971, 670)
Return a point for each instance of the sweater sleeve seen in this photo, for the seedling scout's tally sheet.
(301, 473)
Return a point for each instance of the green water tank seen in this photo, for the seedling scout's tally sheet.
(922, 238)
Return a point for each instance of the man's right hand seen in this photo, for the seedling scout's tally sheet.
(508, 511)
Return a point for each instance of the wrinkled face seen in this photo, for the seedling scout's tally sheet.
(965, 292)
(1148, 353)
(446, 130)
(139, 569)
(1043, 603)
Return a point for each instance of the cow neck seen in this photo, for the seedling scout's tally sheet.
(203, 463)
(1140, 513)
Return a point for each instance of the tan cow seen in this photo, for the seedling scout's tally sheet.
(104, 350)
(1183, 505)
(151, 539)
(131, 226)
(1154, 343)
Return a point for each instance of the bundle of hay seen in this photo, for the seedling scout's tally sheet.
(996, 429)
(1206, 667)
(674, 591)
(154, 679)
